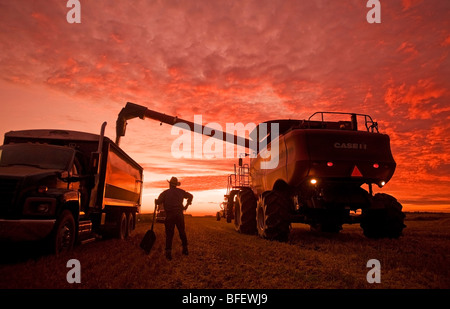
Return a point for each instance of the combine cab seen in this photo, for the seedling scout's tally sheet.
(324, 172)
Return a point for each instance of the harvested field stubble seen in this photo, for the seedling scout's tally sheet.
(221, 258)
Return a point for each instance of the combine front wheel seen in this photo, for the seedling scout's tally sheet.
(272, 216)
(245, 212)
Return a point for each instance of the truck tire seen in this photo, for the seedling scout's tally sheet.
(130, 224)
(121, 229)
(63, 236)
(384, 219)
(245, 212)
(273, 219)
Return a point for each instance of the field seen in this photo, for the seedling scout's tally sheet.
(221, 258)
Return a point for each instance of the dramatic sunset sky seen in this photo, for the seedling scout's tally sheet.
(234, 61)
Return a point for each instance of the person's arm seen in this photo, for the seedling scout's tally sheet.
(189, 198)
(160, 200)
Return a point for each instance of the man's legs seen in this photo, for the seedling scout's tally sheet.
(170, 229)
(182, 231)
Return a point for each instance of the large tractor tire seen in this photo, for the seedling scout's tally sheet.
(272, 216)
(384, 219)
(245, 212)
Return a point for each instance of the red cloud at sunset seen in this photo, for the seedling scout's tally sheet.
(235, 61)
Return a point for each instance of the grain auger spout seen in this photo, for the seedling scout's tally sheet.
(132, 110)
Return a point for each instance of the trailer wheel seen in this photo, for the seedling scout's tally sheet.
(272, 216)
(245, 212)
(384, 218)
(121, 229)
(63, 237)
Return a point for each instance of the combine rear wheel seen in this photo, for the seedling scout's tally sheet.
(272, 216)
(245, 212)
(384, 218)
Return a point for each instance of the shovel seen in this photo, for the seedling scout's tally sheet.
(149, 237)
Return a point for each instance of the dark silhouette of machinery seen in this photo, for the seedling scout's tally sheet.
(321, 166)
(66, 187)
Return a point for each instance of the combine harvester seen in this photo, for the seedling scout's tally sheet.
(321, 168)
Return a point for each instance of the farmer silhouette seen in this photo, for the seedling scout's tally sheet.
(173, 199)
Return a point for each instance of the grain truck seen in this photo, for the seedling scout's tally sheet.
(65, 187)
(322, 173)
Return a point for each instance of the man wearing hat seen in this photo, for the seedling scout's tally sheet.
(173, 199)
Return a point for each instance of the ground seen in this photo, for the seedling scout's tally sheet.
(221, 258)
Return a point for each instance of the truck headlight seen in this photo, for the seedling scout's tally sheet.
(42, 189)
(39, 206)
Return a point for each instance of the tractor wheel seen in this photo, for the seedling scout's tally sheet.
(384, 218)
(245, 212)
(272, 216)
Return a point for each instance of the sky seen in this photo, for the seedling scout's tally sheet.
(233, 61)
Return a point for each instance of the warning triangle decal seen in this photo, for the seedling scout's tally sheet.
(356, 172)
